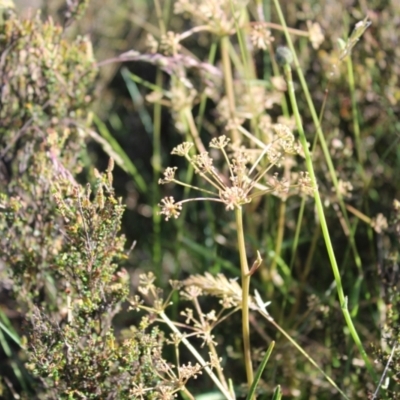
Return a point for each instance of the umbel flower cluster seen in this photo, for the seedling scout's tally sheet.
(246, 179)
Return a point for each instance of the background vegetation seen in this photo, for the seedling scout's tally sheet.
(94, 281)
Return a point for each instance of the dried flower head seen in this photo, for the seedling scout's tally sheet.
(181, 96)
(182, 149)
(169, 175)
(217, 15)
(185, 372)
(220, 286)
(151, 44)
(260, 36)
(305, 184)
(169, 44)
(316, 35)
(345, 188)
(279, 187)
(265, 126)
(245, 171)
(191, 292)
(203, 162)
(146, 282)
(219, 142)
(169, 208)
(273, 155)
(379, 223)
(234, 197)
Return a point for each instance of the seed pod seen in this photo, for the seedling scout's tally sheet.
(283, 56)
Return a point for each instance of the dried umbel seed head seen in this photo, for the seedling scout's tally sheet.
(169, 44)
(203, 162)
(234, 197)
(219, 142)
(243, 184)
(169, 175)
(151, 44)
(316, 35)
(379, 223)
(182, 149)
(260, 36)
(169, 208)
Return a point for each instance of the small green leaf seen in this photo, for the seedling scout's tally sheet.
(277, 393)
(259, 372)
(358, 31)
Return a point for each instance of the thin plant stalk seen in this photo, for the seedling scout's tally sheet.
(276, 73)
(304, 274)
(160, 18)
(243, 49)
(265, 314)
(193, 130)
(260, 371)
(203, 101)
(167, 11)
(138, 101)
(156, 164)
(248, 64)
(385, 371)
(356, 125)
(320, 134)
(324, 226)
(279, 236)
(297, 232)
(244, 267)
(8, 350)
(228, 77)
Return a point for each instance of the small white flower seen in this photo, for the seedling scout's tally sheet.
(169, 208)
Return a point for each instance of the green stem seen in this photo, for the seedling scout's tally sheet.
(156, 164)
(203, 101)
(160, 19)
(228, 77)
(324, 225)
(320, 134)
(193, 130)
(279, 236)
(244, 267)
(356, 125)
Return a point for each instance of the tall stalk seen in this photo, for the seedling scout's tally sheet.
(228, 78)
(320, 134)
(324, 225)
(244, 267)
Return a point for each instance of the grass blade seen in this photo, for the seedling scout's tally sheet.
(260, 370)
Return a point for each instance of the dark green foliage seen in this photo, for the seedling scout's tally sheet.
(60, 246)
(83, 359)
(88, 258)
(44, 78)
(45, 86)
(71, 344)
